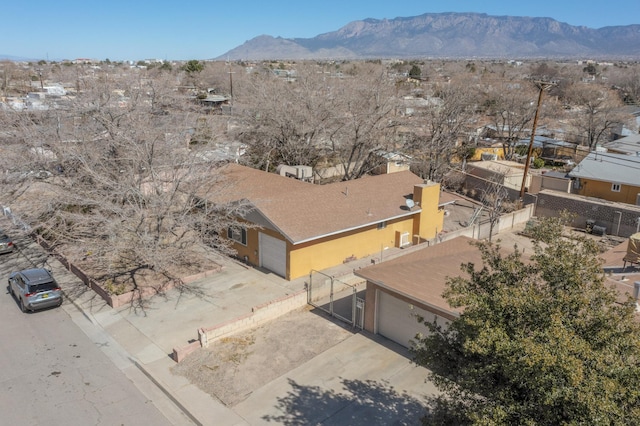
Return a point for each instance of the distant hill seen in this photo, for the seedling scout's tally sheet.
(13, 58)
(450, 35)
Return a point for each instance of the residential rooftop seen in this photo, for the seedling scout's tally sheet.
(303, 211)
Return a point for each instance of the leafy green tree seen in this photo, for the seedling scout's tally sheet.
(538, 342)
(193, 66)
(415, 72)
(590, 69)
(538, 163)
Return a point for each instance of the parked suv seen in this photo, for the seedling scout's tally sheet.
(35, 289)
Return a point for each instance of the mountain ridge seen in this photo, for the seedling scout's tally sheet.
(448, 35)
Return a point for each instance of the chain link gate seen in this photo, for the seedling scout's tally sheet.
(335, 297)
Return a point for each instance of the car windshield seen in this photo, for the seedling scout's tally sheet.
(39, 288)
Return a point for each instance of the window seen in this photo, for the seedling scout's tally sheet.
(615, 187)
(238, 234)
(382, 225)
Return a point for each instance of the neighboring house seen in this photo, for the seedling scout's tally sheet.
(393, 162)
(412, 284)
(295, 227)
(214, 102)
(612, 177)
(506, 173)
(629, 145)
(488, 150)
(413, 104)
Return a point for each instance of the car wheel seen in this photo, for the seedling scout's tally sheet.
(22, 307)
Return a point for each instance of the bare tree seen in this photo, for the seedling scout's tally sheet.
(123, 194)
(627, 82)
(494, 197)
(446, 125)
(596, 112)
(283, 119)
(364, 121)
(511, 108)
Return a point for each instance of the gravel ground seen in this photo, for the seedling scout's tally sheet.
(232, 367)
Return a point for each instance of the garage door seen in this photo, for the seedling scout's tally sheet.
(273, 254)
(396, 319)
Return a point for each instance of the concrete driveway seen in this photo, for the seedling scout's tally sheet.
(307, 368)
(360, 381)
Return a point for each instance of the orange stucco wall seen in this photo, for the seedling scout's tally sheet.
(598, 189)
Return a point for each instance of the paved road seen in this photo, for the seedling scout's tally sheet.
(52, 373)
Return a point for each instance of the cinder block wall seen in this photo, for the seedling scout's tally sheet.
(618, 218)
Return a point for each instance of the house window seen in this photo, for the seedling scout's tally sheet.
(615, 187)
(238, 234)
(382, 225)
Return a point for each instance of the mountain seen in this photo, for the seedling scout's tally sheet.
(4, 57)
(450, 35)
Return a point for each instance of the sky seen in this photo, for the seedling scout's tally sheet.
(194, 29)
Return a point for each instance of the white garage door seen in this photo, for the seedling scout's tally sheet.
(273, 254)
(396, 319)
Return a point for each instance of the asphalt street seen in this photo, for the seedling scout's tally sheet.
(56, 368)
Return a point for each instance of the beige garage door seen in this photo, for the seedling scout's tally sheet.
(273, 254)
(396, 319)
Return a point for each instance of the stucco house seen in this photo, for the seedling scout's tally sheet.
(612, 177)
(393, 162)
(399, 289)
(294, 227)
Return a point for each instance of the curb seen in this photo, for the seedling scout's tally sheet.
(166, 392)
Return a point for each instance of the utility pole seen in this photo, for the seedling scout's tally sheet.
(230, 78)
(542, 86)
(230, 89)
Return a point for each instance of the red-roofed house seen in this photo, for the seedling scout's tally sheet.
(304, 227)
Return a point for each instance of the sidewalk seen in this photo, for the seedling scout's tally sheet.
(140, 338)
(126, 344)
(149, 333)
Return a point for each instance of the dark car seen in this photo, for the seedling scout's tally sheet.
(35, 289)
(6, 245)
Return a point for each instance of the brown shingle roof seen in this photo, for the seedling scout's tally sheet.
(422, 275)
(304, 211)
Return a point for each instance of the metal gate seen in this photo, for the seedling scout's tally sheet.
(335, 297)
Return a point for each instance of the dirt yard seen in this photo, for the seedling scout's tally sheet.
(232, 367)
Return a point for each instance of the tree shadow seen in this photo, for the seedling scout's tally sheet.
(367, 402)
